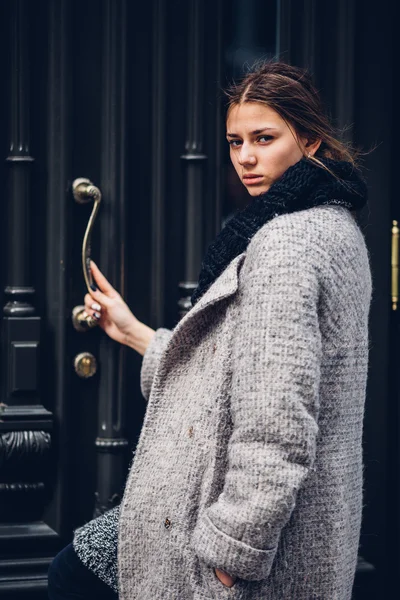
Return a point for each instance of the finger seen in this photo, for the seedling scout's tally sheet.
(88, 300)
(91, 304)
(102, 283)
(92, 308)
(101, 299)
(225, 578)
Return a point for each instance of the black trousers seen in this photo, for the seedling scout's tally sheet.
(69, 578)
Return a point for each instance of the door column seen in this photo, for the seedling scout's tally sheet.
(25, 424)
(194, 156)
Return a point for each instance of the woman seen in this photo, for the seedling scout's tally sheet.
(247, 477)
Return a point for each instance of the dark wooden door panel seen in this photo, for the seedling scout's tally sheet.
(131, 97)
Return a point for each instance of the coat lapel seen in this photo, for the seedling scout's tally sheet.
(223, 287)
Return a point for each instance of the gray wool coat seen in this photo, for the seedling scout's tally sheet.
(250, 455)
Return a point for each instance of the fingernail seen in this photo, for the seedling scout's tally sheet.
(96, 306)
(93, 287)
(96, 315)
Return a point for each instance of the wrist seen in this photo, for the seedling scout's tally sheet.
(139, 337)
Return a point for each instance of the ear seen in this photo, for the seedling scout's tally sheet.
(311, 147)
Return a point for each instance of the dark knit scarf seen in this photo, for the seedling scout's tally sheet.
(302, 186)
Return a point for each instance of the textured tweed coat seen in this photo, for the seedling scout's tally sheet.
(250, 455)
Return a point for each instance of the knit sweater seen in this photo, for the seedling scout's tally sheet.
(250, 454)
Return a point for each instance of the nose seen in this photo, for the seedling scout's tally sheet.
(246, 156)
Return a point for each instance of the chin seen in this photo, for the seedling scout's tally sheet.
(257, 192)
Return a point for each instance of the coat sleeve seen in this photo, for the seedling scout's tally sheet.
(274, 406)
(151, 359)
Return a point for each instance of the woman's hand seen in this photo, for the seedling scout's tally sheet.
(113, 314)
(225, 578)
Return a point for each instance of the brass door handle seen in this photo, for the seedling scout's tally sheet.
(395, 265)
(84, 191)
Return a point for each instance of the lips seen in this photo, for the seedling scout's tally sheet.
(252, 179)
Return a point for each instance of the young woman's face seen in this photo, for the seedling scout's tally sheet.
(262, 146)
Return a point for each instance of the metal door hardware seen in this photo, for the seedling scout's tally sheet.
(395, 265)
(84, 191)
(85, 365)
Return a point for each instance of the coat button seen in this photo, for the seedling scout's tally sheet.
(214, 348)
(190, 431)
(167, 523)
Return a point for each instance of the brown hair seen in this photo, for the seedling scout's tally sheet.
(291, 93)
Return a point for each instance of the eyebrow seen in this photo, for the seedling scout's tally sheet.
(255, 132)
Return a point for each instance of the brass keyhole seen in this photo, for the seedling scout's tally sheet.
(85, 365)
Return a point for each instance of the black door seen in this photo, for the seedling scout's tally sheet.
(126, 97)
(130, 98)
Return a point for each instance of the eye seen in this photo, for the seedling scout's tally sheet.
(234, 143)
(264, 138)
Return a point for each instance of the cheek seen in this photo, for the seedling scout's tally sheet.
(279, 157)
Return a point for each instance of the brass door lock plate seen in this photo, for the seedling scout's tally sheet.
(85, 365)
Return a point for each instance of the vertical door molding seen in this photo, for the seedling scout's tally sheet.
(322, 39)
(296, 32)
(20, 408)
(214, 125)
(194, 157)
(158, 190)
(309, 32)
(25, 425)
(283, 36)
(111, 443)
(376, 128)
(345, 71)
(58, 155)
(19, 291)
